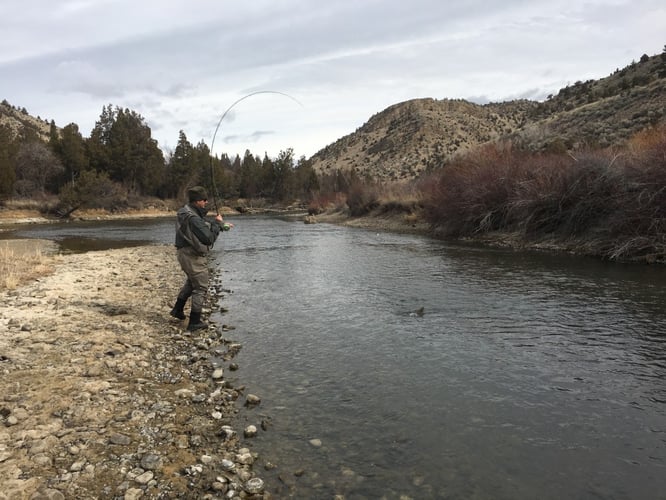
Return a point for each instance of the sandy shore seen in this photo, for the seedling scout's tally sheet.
(103, 395)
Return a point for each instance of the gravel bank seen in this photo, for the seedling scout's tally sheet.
(103, 395)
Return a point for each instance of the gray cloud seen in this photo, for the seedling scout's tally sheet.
(180, 65)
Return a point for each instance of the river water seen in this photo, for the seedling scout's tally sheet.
(394, 365)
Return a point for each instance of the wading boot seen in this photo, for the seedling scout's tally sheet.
(195, 322)
(177, 311)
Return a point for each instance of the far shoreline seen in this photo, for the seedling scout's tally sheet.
(391, 222)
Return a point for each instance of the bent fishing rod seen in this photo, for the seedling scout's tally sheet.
(212, 143)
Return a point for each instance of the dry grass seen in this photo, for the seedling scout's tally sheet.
(20, 265)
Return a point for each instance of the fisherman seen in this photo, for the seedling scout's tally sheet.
(195, 236)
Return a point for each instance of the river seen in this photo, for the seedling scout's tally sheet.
(399, 366)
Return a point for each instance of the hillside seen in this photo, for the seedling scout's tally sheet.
(411, 137)
(20, 122)
(418, 135)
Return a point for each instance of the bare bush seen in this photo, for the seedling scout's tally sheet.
(474, 194)
(613, 202)
(362, 198)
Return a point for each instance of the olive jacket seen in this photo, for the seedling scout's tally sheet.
(194, 230)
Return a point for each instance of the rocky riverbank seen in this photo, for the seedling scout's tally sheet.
(103, 395)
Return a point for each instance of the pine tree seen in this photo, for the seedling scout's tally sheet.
(7, 172)
(72, 153)
(121, 145)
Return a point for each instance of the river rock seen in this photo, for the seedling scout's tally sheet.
(250, 431)
(254, 486)
(133, 494)
(244, 457)
(119, 439)
(145, 478)
(252, 400)
(151, 461)
(227, 464)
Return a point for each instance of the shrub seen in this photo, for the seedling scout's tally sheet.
(92, 190)
(473, 194)
(611, 201)
(362, 199)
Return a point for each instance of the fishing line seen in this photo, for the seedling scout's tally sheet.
(212, 143)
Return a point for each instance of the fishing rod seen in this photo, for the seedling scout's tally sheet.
(212, 143)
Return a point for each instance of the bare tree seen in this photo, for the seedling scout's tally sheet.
(35, 166)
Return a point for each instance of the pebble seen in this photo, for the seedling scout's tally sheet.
(77, 466)
(244, 457)
(151, 461)
(133, 494)
(254, 486)
(227, 464)
(119, 439)
(252, 399)
(145, 478)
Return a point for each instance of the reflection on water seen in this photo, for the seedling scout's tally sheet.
(86, 236)
(528, 375)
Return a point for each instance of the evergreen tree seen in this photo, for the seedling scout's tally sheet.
(72, 153)
(121, 145)
(249, 176)
(180, 170)
(54, 137)
(283, 176)
(226, 176)
(306, 180)
(98, 143)
(7, 172)
(266, 178)
(201, 162)
(662, 65)
(136, 160)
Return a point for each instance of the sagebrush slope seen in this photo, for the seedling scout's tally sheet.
(411, 137)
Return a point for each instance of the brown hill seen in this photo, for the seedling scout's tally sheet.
(21, 123)
(411, 137)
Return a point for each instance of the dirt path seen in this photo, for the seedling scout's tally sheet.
(103, 396)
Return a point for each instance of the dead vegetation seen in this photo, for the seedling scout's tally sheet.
(609, 201)
(22, 261)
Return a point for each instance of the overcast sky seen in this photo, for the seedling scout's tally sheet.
(182, 64)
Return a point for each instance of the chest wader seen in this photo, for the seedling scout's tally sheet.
(194, 262)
